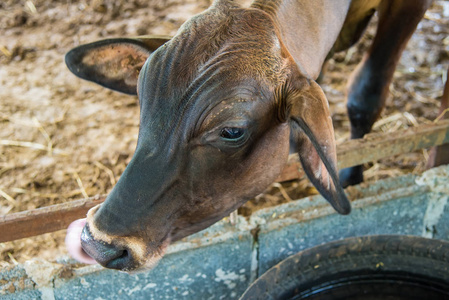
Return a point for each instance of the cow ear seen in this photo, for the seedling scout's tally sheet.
(113, 63)
(312, 136)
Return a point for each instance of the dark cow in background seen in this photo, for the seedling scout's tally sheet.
(222, 105)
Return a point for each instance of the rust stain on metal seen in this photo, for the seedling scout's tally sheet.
(354, 152)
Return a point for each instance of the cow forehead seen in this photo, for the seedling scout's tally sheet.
(202, 66)
(243, 41)
(168, 102)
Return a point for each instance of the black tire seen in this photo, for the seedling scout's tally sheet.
(371, 267)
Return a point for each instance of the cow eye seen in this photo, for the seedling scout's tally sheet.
(232, 133)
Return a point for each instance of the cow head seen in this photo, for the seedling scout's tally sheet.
(221, 105)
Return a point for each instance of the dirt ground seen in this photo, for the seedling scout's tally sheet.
(62, 138)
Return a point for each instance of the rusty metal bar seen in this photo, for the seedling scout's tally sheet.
(43, 220)
(376, 146)
(355, 152)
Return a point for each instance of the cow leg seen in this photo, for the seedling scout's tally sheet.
(440, 155)
(369, 85)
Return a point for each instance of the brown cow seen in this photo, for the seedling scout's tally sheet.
(222, 104)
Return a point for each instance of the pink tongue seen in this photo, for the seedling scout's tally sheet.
(73, 242)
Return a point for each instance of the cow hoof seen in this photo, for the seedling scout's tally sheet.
(351, 176)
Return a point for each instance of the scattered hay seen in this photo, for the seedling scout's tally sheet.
(62, 139)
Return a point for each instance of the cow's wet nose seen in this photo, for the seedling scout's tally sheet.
(108, 255)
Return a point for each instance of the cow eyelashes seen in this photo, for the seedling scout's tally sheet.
(232, 133)
(227, 135)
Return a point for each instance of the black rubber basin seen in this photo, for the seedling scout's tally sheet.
(384, 267)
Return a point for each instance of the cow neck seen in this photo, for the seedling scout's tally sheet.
(307, 28)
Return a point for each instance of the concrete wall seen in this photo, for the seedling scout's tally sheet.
(220, 262)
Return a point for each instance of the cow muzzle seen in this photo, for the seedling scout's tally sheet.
(88, 245)
(108, 255)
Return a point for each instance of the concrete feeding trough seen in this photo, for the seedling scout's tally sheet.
(221, 261)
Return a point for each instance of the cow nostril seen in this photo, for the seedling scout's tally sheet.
(124, 254)
(122, 261)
